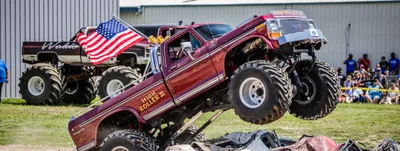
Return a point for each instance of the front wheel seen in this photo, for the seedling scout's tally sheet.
(40, 84)
(128, 140)
(318, 91)
(260, 92)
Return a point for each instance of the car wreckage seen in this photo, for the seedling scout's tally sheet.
(256, 69)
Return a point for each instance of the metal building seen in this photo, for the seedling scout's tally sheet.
(371, 26)
(44, 20)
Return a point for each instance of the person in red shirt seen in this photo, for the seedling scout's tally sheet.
(364, 62)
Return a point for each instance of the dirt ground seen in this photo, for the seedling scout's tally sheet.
(34, 148)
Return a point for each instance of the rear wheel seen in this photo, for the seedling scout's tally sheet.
(116, 78)
(79, 92)
(260, 92)
(40, 84)
(128, 140)
(318, 91)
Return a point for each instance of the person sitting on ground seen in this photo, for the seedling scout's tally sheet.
(347, 84)
(373, 96)
(394, 64)
(372, 74)
(382, 78)
(384, 64)
(364, 78)
(357, 94)
(365, 62)
(351, 64)
(392, 97)
(357, 77)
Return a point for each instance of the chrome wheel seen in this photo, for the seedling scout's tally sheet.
(113, 86)
(36, 85)
(72, 87)
(252, 92)
(308, 93)
(120, 148)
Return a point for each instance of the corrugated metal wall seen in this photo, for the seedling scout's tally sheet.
(34, 20)
(374, 26)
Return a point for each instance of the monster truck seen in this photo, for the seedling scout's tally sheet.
(256, 69)
(45, 82)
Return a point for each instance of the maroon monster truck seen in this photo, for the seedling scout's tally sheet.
(256, 69)
(61, 71)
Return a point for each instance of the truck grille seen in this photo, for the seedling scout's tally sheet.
(289, 26)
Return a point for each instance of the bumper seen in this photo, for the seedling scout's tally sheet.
(307, 36)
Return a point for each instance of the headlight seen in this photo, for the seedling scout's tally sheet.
(273, 29)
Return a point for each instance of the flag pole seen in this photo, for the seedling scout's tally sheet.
(129, 26)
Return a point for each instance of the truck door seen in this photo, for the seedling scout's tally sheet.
(186, 76)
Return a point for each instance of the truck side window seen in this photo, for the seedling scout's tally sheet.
(174, 47)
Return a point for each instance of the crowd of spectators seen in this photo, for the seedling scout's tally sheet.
(367, 84)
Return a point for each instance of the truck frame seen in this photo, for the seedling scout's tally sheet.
(255, 69)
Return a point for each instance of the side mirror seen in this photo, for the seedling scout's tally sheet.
(187, 48)
(169, 33)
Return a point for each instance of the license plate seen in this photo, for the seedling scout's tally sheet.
(314, 33)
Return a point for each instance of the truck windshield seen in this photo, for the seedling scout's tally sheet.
(209, 32)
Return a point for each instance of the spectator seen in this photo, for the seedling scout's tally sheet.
(382, 78)
(372, 74)
(347, 84)
(364, 78)
(3, 74)
(351, 64)
(384, 64)
(364, 62)
(392, 97)
(394, 64)
(373, 96)
(341, 76)
(357, 77)
(357, 94)
(398, 80)
(378, 66)
(386, 73)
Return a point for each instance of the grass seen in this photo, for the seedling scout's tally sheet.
(47, 125)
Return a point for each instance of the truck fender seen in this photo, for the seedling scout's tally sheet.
(126, 108)
(237, 43)
(47, 52)
(250, 37)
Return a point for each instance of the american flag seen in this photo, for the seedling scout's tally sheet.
(109, 40)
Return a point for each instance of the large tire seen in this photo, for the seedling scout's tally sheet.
(321, 89)
(129, 140)
(79, 92)
(114, 78)
(260, 92)
(40, 84)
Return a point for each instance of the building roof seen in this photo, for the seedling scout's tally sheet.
(128, 3)
(132, 3)
(136, 5)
